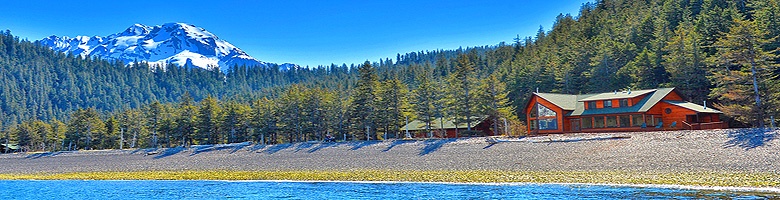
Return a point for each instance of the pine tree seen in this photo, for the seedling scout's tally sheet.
(362, 111)
(208, 120)
(461, 88)
(392, 97)
(741, 83)
(493, 103)
(685, 62)
(424, 101)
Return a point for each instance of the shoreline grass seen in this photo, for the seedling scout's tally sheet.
(717, 179)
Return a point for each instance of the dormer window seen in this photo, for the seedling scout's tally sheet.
(591, 105)
(623, 103)
(608, 104)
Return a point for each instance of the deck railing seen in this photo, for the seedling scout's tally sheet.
(702, 126)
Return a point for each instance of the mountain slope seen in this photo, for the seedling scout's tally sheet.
(177, 43)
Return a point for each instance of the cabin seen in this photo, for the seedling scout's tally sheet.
(446, 128)
(640, 110)
(9, 148)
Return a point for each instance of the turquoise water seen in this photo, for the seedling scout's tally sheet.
(77, 189)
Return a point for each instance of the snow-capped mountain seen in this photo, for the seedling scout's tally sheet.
(176, 43)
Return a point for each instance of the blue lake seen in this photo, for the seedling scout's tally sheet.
(78, 189)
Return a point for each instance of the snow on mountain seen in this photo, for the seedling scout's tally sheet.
(176, 43)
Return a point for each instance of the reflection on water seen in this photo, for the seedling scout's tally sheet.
(77, 189)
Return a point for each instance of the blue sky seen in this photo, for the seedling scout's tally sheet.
(302, 32)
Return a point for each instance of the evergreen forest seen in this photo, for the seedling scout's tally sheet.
(724, 52)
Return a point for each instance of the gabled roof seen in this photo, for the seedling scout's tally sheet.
(449, 123)
(564, 101)
(653, 97)
(695, 107)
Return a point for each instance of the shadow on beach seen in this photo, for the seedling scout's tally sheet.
(271, 149)
(751, 138)
(398, 142)
(46, 154)
(432, 145)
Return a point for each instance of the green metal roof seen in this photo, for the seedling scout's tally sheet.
(10, 146)
(695, 107)
(449, 123)
(565, 101)
(654, 98)
(617, 95)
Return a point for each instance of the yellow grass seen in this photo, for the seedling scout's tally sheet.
(617, 177)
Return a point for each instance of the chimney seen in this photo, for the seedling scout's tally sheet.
(705, 104)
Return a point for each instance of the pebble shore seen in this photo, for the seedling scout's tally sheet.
(729, 150)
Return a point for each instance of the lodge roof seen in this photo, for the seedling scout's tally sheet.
(448, 123)
(10, 146)
(576, 103)
(617, 95)
(695, 107)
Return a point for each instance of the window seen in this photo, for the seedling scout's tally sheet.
(587, 122)
(546, 112)
(637, 120)
(540, 110)
(668, 110)
(612, 121)
(548, 124)
(591, 105)
(625, 120)
(608, 104)
(532, 124)
(598, 122)
(623, 103)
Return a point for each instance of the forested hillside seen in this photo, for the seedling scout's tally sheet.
(721, 51)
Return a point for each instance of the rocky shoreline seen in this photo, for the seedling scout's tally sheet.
(730, 150)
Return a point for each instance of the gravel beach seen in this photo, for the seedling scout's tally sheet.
(731, 150)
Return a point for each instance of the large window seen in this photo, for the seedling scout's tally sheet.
(623, 103)
(540, 110)
(637, 120)
(542, 118)
(598, 122)
(608, 104)
(548, 124)
(625, 120)
(546, 112)
(612, 121)
(587, 122)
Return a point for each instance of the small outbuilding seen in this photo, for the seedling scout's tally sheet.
(641, 110)
(9, 148)
(446, 128)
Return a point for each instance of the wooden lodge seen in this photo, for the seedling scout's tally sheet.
(641, 110)
(446, 128)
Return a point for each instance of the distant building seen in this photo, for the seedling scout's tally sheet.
(446, 128)
(641, 110)
(11, 148)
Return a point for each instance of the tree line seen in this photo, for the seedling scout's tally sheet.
(373, 110)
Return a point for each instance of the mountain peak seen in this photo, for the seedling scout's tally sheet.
(178, 43)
